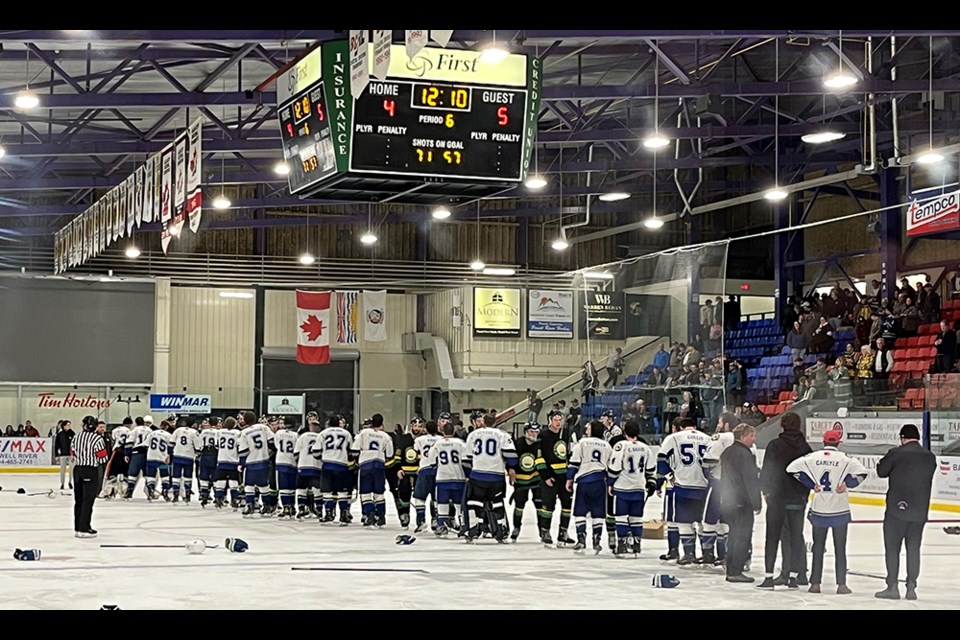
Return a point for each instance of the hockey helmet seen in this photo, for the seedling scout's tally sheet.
(665, 581)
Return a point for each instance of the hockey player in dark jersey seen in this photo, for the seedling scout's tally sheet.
(528, 478)
(552, 467)
(409, 465)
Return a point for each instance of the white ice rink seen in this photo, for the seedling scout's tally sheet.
(366, 569)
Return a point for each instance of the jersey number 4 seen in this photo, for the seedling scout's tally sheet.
(825, 481)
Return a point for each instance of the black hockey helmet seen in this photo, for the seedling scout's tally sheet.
(417, 420)
(476, 415)
(444, 416)
(531, 426)
(609, 413)
(554, 412)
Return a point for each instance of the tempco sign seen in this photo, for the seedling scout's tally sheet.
(939, 214)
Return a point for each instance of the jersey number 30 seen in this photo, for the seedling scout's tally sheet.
(490, 446)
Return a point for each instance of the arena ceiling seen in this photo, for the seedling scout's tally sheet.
(735, 105)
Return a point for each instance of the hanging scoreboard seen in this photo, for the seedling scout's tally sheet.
(443, 116)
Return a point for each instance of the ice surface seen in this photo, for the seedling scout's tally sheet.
(440, 573)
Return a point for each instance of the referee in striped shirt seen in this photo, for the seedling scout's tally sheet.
(89, 452)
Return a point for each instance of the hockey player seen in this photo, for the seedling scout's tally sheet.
(612, 433)
(409, 465)
(588, 470)
(228, 462)
(255, 446)
(207, 465)
(681, 454)
(309, 469)
(135, 449)
(186, 446)
(631, 480)
(159, 447)
(286, 467)
(373, 448)
(446, 458)
(714, 540)
(426, 477)
(490, 456)
(333, 449)
(116, 472)
(830, 473)
(552, 468)
(528, 478)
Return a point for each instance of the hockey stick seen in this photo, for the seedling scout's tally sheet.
(869, 575)
(49, 493)
(358, 569)
(151, 546)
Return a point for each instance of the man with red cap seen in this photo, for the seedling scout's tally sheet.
(829, 473)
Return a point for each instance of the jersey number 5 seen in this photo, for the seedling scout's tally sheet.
(686, 453)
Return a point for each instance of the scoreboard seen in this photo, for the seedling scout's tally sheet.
(444, 116)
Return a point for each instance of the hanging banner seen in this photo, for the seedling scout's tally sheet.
(148, 172)
(375, 316)
(194, 195)
(119, 209)
(166, 185)
(348, 320)
(550, 314)
(157, 191)
(131, 216)
(934, 215)
(601, 315)
(442, 38)
(382, 39)
(180, 182)
(496, 312)
(138, 195)
(359, 69)
(416, 39)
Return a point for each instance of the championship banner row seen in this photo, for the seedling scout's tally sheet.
(165, 189)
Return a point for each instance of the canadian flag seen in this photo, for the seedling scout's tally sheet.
(313, 327)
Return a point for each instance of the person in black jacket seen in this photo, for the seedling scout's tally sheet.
(910, 469)
(740, 501)
(786, 499)
(62, 451)
(946, 344)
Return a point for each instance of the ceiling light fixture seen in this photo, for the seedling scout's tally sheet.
(3, 151)
(281, 168)
(842, 78)
(132, 251)
(776, 194)
(499, 271)
(614, 196)
(242, 295)
(221, 202)
(822, 137)
(441, 213)
(493, 54)
(369, 238)
(653, 222)
(26, 99)
(560, 244)
(535, 181)
(478, 265)
(656, 140)
(597, 275)
(931, 156)
(307, 259)
(174, 229)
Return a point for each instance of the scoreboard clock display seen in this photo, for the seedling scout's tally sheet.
(443, 115)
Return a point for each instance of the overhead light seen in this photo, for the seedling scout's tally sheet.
(307, 259)
(653, 222)
(560, 244)
(441, 213)
(839, 80)
(26, 100)
(775, 195)
(3, 151)
(132, 251)
(597, 275)
(613, 196)
(369, 238)
(493, 54)
(655, 141)
(109, 279)
(221, 202)
(244, 295)
(930, 157)
(478, 265)
(535, 181)
(281, 168)
(822, 137)
(499, 271)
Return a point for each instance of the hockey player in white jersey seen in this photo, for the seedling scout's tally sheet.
(228, 461)
(255, 447)
(159, 448)
(186, 446)
(135, 449)
(587, 471)
(373, 449)
(446, 458)
(336, 480)
(286, 439)
(631, 478)
(426, 476)
(681, 454)
(308, 469)
(490, 454)
(829, 473)
(610, 427)
(115, 477)
(207, 467)
(714, 539)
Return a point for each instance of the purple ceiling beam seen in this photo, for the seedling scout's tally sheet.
(105, 147)
(182, 35)
(134, 100)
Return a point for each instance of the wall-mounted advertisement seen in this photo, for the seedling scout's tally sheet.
(550, 314)
(496, 312)
(601, 315)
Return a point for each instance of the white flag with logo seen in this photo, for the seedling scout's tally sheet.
(359, 66)
(442, 38)
(138, 195)
(382, 40)
(131, 216)
(375, 316)
(149, 186)
(194, 195)
(416, 39)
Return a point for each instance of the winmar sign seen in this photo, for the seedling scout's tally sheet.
(939, 214)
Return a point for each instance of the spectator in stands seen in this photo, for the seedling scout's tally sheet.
(807, 390)
(751, 414)
(930, 306)
(819, 375)
(711, 396)
(661, 359)
(734, 385)
(799, 371)
(909, 318)
(731, 313)
(677, 351)
(797, 341)
(706, 316)
(822, 340)
(30, 431)
(953, 284)
(946, 343)
(9, 432)
(534, 407)
(614, 367)
(657, 378)
(864, 373)
(590, 380)
(882, 364)
(840, 382)
(691, 357)
(849, 356)
(906, 289)
(21, 432)
(832, 308)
